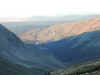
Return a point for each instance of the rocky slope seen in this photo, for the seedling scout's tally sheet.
(61, 31)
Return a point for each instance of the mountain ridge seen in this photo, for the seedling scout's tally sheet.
(61, 31)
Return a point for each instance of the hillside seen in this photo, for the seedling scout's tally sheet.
(8, 68)
(86, 68)
(26, 55)
(75, 49)
(60, 31)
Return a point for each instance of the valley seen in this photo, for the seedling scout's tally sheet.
(71, 48)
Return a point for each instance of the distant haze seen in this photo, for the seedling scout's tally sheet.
(20, 25)
(49, 18)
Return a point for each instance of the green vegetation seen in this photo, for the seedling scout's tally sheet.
(7, 68)
(89, 68)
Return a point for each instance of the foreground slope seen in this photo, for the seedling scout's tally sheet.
(8, 68)
(86, 68)
(60, 31)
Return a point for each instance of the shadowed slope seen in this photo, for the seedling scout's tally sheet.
(13, 49)
(76, 48)
(8, 68)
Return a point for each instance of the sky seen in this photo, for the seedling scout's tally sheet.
(28, 8)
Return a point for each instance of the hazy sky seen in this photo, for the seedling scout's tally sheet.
(28, 8)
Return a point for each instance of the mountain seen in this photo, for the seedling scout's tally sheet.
(16, 52)
(77, 48)
(60, 31)
(71, 42)
(61, 45)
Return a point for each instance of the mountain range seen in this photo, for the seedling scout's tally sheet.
(55, 47)
(61, 31)
(70, 42)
